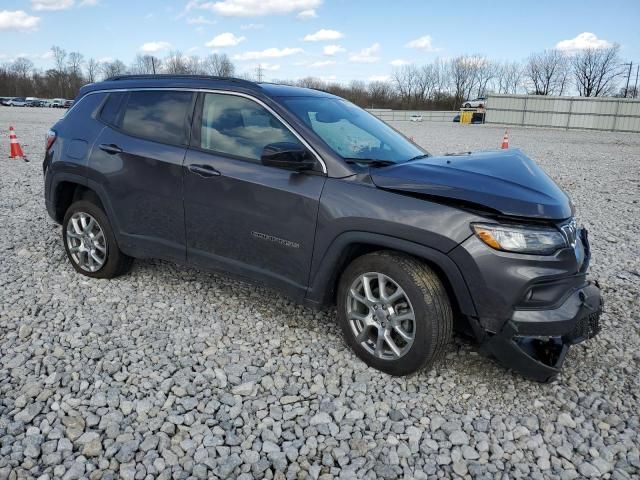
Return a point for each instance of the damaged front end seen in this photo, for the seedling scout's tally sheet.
(535, 345)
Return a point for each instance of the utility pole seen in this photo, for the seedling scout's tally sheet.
(153, 65)
(626, 89)
(259, 72)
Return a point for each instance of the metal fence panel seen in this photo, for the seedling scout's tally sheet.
(405, 115)
(615, 114)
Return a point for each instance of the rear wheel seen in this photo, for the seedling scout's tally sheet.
(467, 105)
(394, 312)
(90, 243)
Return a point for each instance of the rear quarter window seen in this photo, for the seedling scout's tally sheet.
(112, 108)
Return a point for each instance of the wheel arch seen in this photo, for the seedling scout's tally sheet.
(351, 245)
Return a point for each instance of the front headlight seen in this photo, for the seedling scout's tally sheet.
(533, 240)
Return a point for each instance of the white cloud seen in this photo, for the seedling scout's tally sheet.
(226, 39)
(366, 55)
(583, 41)
(307, 14)
(200, 20)
(18, 20)
(423, 43)
(47, 55)
(269, 67)
(331, 50)
(51, 4)
(398, 62)
(252, 26)
(268, 53)
(253, 8)
(323, 35)
(379, 78)
(153, 47)
(89, 3)
(322, 63)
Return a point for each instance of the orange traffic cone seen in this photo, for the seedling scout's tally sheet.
(16, 149)
(505, 139)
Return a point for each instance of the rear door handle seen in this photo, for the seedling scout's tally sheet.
(204, 170)
(110, 148)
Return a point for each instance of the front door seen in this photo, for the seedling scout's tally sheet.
(242, 216)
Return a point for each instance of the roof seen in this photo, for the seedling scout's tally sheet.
(199, 81)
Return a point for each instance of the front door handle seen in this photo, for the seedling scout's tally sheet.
(110, 148)
(204, 170)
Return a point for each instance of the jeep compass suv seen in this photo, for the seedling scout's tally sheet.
(306, 192)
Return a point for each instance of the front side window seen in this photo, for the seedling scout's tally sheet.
(157, 115)
(351, 132)
(239, 127)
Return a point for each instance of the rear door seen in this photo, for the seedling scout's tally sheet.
(242, 216)
(137, 160)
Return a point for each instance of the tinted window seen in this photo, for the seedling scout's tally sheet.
(111, 108)
(159, 116)
(239, 126)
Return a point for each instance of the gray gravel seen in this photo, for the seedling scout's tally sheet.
(169, 372)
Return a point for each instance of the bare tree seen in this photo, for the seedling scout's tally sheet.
(508, 78)
(145, 64)
(218, 65)
(93, 68)
(546, 72)
(113, 68)
(462, 75)
(596, 70)
(175, 62)
(406, 79)
(193, 65)
(484, 71)
(379, 93)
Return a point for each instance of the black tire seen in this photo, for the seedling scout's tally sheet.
(467, 105)
(116, 262)
(428, 297)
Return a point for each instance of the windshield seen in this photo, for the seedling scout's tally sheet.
(351, 132)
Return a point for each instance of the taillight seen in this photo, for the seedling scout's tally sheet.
(50, 139)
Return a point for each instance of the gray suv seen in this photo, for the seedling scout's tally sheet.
(305, 192)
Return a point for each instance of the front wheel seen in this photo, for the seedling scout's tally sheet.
(467, 105)
(90, 242)
(394, 312)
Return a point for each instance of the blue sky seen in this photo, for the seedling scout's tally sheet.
(331, 39)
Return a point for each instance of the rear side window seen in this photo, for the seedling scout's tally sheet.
(160, 116)
(111, 108)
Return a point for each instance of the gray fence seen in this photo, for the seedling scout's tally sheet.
(401, 115)
(614, 114)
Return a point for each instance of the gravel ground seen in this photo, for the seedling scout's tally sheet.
(169, 372)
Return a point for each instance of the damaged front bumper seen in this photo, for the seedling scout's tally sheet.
(535, 342)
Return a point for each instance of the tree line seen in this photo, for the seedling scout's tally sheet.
(441, 84)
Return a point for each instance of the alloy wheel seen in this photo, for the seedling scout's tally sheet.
(381, 316)
(86, 242)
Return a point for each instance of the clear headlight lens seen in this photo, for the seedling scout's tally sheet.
(534, 240)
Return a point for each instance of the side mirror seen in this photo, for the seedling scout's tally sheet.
(287, 155)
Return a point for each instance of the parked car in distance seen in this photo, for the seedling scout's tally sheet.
(305, 192)
(68, 103)
(46, 103)
(5, 101)
(17, 102)
(58, 103)
(475, 103)
(416, 117)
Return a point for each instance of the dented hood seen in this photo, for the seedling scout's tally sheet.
(504, 180)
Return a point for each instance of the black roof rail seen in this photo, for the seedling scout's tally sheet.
(150, 76)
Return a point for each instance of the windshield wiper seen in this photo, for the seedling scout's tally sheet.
(374, 162)
(418, 157)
